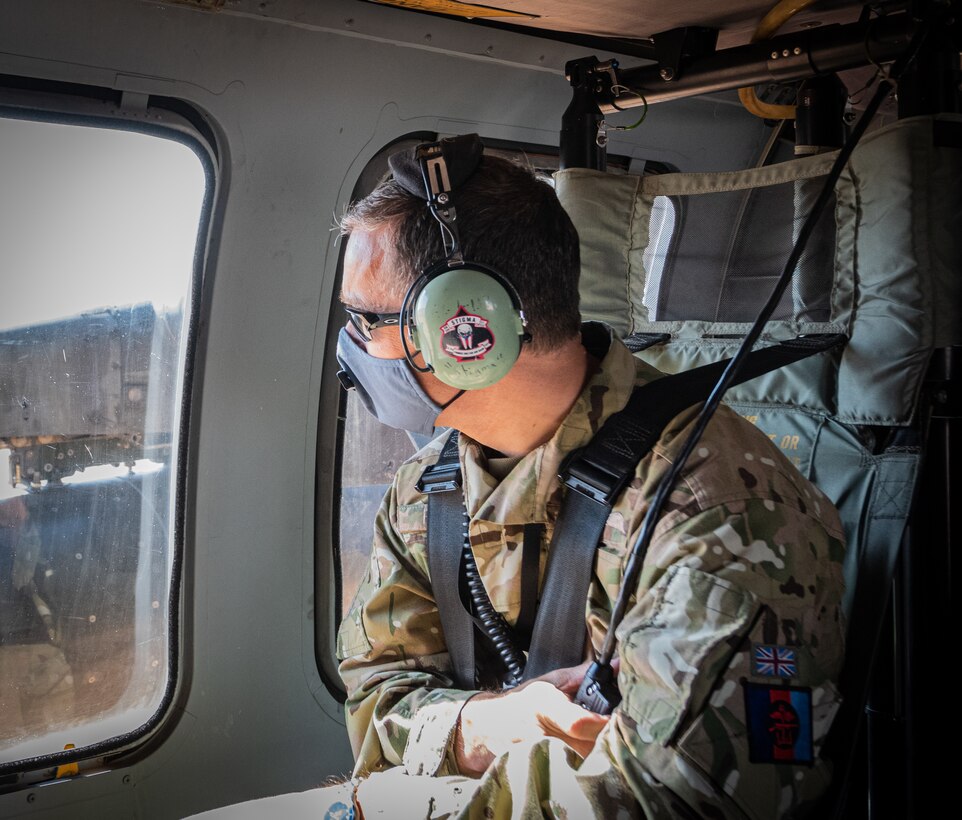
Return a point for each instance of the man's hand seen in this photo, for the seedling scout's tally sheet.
(491, 724)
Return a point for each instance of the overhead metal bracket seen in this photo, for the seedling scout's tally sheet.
(678, 47)
(580, 121)
(688, 66)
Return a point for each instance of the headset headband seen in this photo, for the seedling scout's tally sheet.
(433, 171)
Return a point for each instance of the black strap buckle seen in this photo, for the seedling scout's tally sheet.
(584, 475)
(445, 474)
(439, 481)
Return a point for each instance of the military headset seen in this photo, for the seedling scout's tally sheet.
(464, 317)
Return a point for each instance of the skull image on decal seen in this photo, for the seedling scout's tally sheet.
(466, 336)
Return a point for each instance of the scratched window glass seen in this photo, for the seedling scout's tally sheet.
(372, 453)
(98, 228)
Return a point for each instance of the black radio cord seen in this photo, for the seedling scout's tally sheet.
(492, 622)
(599, 691)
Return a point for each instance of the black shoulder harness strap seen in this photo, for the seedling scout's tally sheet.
(446, 562)
(442, 482)
(595, 476)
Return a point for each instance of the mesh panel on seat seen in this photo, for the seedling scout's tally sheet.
(727, 250)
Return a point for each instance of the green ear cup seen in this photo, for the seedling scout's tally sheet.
(469, 327)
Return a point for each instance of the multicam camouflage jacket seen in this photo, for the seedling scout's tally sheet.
(729, 653)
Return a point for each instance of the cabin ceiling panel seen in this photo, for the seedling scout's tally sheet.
(636, 19)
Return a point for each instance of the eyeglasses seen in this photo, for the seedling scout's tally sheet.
(364, 321)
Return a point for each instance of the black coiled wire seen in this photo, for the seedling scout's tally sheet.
(493, 623)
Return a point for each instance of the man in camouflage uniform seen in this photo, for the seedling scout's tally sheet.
(729, 652)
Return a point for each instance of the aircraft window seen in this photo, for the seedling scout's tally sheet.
(371, 455)
(98, 227)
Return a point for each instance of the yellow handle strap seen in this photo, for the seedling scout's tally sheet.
(770, 23)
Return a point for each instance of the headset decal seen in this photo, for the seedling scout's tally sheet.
(466, 337)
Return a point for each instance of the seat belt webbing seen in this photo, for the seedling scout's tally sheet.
(570, 563)
(596, 474)
(603, 467)
(530, 572)
(442, 482)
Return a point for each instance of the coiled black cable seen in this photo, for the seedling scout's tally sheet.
(492, 622)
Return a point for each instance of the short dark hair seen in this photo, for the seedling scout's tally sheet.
(509, 219)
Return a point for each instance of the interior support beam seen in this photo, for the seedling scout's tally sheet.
(786, 58)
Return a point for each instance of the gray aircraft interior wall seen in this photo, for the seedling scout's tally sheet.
(300, 95)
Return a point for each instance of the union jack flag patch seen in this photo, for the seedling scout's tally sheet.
(775, 661)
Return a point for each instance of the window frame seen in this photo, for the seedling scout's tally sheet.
(328, 585)
(173, 119)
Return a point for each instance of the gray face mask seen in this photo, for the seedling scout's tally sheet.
(387, 388)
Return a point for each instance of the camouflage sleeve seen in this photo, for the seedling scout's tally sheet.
(401, 709)
(738, 608)
(728, 663)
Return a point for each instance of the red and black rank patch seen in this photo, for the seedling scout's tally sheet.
(779, 722)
